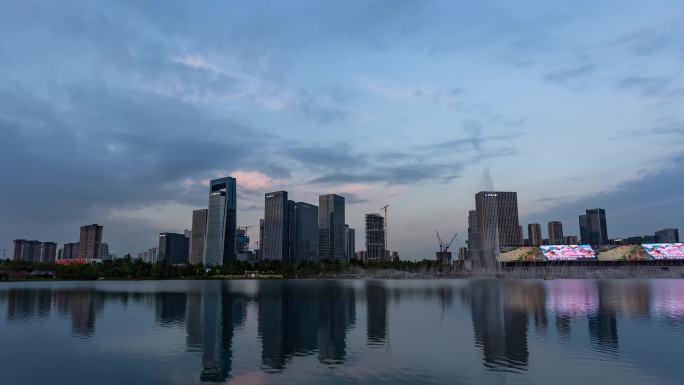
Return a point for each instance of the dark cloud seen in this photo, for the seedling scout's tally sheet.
(106, 151)
(642, 206)
(397, 175)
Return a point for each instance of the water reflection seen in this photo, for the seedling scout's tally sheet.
(314, 319)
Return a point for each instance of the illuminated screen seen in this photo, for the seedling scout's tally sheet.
(567, 252)
(665, 250)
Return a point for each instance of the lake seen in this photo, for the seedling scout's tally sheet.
(342, 332)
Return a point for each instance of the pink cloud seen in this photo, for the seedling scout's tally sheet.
(254, 179)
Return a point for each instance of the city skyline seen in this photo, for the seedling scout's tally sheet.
(123, 123)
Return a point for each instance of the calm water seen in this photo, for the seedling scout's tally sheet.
(339, 332)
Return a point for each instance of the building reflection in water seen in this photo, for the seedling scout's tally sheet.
(500, 327)
(213, 315)
(296, 321)
(314, 318)
(83, 306)
(170, 308)
(377, 303)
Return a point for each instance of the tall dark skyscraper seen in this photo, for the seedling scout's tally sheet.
(535, 234)
(173, 248)
(497, 224)
(375, 238)
(593, 228)
(350, 241)
(331, 223)
(221, 241)
(556, 233)
(276, 226)
(91, 242)
(306, 232)
(473, 242)
(199, 232)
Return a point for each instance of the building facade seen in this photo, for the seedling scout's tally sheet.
(350, 242)
(667, 236)
(534, 233)
(593, 227)
(375, 238)
(498, 225)
(242, 241)
(331, 223)
(306, 232)
(220, 245)
(570, 240)
(104, 252)
(70, 250)
(90, 244)
(276, 226)
(556, 233)
(199, 232)
(472, 235)
(173, 248)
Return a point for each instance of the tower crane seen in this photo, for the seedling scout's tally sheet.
(444, 254)
(386, 229)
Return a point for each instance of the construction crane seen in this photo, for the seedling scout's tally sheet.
(444, 255)
(386, 232)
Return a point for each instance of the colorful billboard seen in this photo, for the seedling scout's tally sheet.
(567, 252)
(665, 250)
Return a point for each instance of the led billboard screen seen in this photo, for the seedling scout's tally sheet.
(665, 250)
(567, 252)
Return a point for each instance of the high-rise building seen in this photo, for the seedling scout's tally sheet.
(472, 241)
(104, 252)
(306, 232)
(220, 244)
(48, 252)
(375, 238)
(555, 233)
(535, 234)
(173, 248)
(462, 253)
(242, 241)
(90, 242)
(331, 223)
(70, 250)
(261, 232)
(199, 232)
(497, 224)
(667, 236)
(34, 251)
(570, 240)
(350, 242)
(276, 227)
(593, 228)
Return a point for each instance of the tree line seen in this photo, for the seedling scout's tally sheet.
(129, 268)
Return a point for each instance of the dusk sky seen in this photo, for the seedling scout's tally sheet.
(118, 113)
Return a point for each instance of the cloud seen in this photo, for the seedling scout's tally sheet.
(646, 85)
(568, 74)
(643, 205)
(437, 95)
(108, 150)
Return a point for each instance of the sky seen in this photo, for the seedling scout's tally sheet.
(118, 113)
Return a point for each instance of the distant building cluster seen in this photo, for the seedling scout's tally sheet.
(299, 231)
(494, 228)
(90, 248)
(289, 231)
